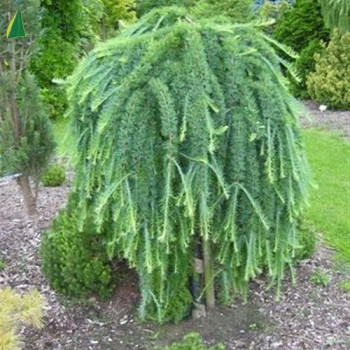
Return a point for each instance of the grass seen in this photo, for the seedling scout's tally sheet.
(329, 213)
(63, 142)
(2, 264)
(321, 278)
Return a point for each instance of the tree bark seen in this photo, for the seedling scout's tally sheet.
(208, 275)
(28, 197)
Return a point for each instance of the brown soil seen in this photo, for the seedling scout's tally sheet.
(307, 316)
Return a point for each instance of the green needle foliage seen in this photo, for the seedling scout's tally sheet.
(186, 130)
(336, 14)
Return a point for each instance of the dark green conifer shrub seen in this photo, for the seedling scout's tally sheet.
(330, 82)
(54, 176)
(191, 341)
(75, 261)
(302, 28)
(185, 130)
(305, 64)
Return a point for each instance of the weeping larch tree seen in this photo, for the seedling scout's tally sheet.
(186, 133)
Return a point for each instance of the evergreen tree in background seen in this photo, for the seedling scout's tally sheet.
(114, 12)
(237, 10)
(302, 28)
(186, 135)
(25, 136)
(60, 45)
(144, 6)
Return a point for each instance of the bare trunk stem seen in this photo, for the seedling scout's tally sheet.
(28, 197)
(208, 275)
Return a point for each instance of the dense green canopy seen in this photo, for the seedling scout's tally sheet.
(185, 129)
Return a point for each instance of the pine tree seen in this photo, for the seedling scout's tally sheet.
(186, 132)
(25, 138)
(301, 27)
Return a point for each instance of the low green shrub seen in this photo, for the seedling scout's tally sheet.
(320, 278)
(54, 176)
(75, 262)
(345, 285)
(191, 341)
(330, 83)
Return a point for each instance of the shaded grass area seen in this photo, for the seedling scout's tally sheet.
(329, 213)
(63, 142)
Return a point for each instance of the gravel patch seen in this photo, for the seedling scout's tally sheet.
(338, 121)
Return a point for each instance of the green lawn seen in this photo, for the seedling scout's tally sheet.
(329, 157)
(63, 142)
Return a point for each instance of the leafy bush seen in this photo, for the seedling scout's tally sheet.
(54, 176)
(74, 260)
(191, 341)
(15, 311)
(330, 83)
(302, 28)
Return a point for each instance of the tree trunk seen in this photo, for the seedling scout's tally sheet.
(29, 200)
(199, 309)
(208, 275)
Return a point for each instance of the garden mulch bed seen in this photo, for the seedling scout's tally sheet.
(338, 121)
(307, 316)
